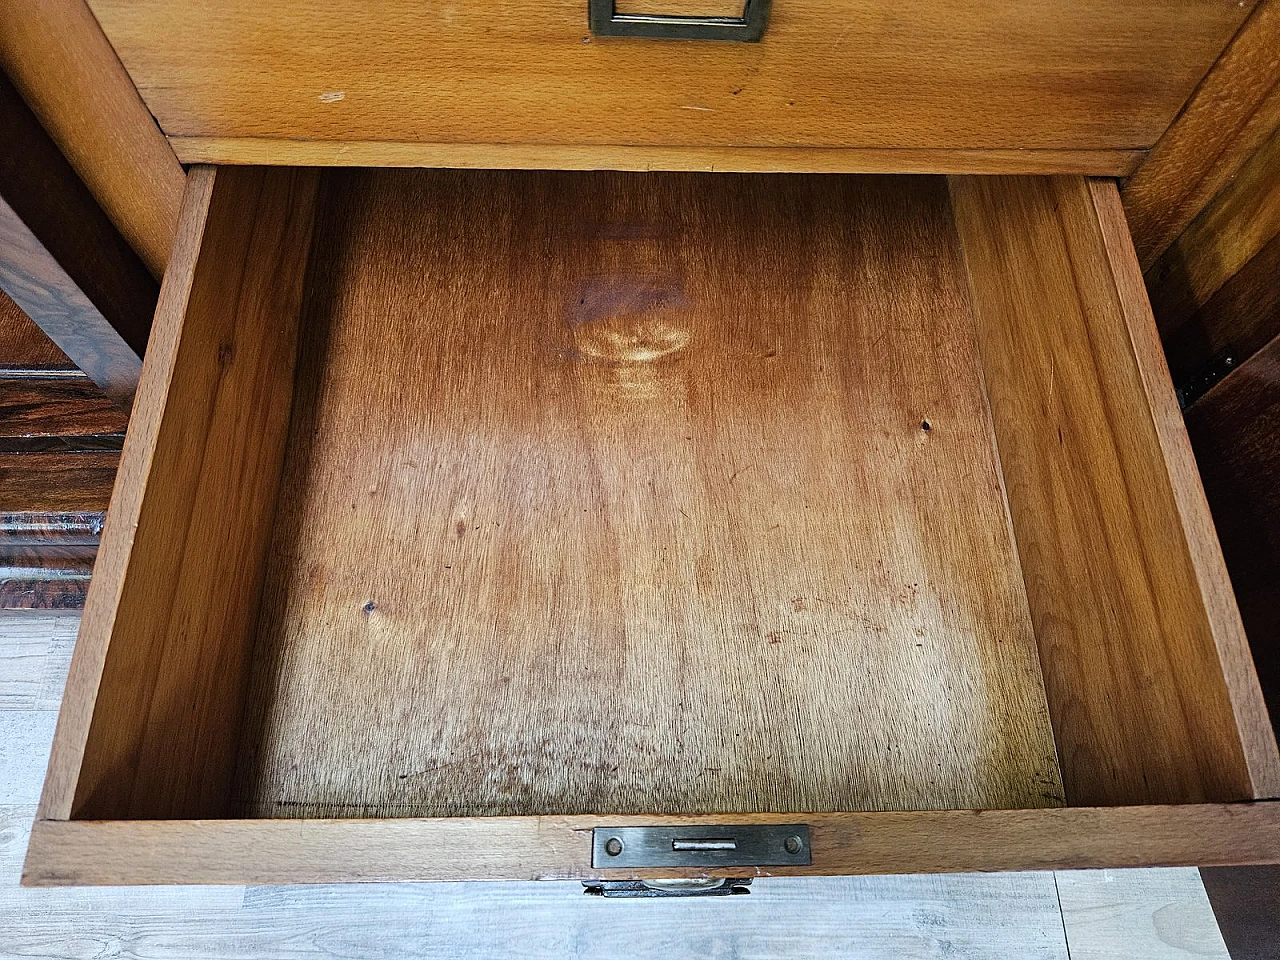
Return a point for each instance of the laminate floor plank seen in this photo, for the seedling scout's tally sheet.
(1155, 914)
(1001, 917)
(24, 753)
(23, 657)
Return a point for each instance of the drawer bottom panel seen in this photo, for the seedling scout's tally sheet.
(621, 494)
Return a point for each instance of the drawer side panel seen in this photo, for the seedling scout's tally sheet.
(1153, 695)
(152, 707)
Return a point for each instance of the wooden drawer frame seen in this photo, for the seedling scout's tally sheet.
(198, 444)
(69, 852)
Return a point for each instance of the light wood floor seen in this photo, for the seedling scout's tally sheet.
(1087, 915)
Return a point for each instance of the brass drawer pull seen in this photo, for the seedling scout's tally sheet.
(607, 22)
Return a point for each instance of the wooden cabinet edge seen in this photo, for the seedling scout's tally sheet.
(62, 260)
(68, 853)
(57, 55)
(516, 156)
(1232, 110)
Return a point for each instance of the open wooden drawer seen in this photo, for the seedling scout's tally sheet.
(462, 513)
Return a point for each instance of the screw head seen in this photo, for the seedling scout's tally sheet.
(793, 844)
(613, 846)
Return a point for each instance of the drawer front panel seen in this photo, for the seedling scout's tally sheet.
(969, 75)
(556, 848)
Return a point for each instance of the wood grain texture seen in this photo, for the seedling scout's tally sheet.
(35, 652)
(23, 345)
(56, 482)
(61, 260)
(1257, 739)
(1094, 74)
(1199, 308)
(55, 53)
(628, 533)
(1239, 221)
(64, 443)
(539, 349)
(45, 579)
(983, 917)
(51, 514)
(1234, 109)
(1235, 429)
(43, 407)
(75, 852)
(730, 159)
(1146, 668)
(156, 684)
(682, 8)
(60, 438)
(34, 277)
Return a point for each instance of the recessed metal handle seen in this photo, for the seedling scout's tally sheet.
(606, 21)
(683, 887)
(704, 844)
(722, 845)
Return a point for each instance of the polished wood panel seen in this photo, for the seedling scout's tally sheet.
(34, 276)
(60, 438)
(61, 260)
(169, 618)
(522, 848)
(1235, 108)
(711, 544)
(1235, 428)
(515, 156)
(26, 346)
(51, 513)
(48, 579)
(56, 55)
(42, 407)
(962, 75)
(56, 482)
(1225, 235)
(1146, 667)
